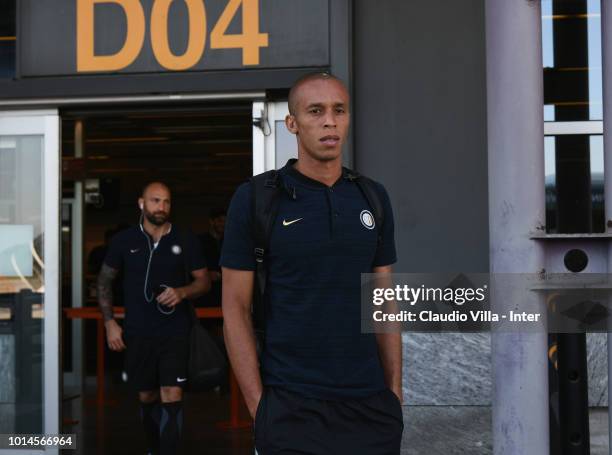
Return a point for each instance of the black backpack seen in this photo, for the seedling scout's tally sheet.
(266, 189)
(207, 367)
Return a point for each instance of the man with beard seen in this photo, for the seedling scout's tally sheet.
(155, 258)
(321, 386)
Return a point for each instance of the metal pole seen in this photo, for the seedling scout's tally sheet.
(77, 217)
(516, 211)
(573, 394)
(606, 51)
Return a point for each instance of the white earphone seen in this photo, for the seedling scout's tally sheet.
(150, 299)
(141, 206)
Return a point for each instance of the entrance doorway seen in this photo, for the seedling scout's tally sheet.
(203, 153)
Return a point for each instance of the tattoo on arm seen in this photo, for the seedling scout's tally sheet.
(105, 291)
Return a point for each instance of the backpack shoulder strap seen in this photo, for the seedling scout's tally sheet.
(264, 201)
(369, 191)
(265, 195)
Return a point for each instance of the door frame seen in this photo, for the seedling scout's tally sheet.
(265, 116)
(46, 123)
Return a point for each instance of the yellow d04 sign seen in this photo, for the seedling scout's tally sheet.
(250, 40)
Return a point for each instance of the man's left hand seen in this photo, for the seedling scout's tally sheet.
(214, 275)
(171, 297)
(398, 392)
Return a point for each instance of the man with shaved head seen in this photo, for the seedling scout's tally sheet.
(319, 386)
(155, 257)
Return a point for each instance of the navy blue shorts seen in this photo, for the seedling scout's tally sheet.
(154, 362)
(287, 423)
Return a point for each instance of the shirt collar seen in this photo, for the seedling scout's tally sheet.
(144, 231)
(291, 171)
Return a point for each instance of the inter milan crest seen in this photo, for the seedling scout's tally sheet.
(367, 219)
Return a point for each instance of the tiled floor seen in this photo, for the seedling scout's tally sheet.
(115, 429)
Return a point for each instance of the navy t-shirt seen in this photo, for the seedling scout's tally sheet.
(320, 244)
(175, 255)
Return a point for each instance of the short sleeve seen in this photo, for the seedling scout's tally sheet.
(114, 254)
(385, 253)
(195, 259)
(237, 250)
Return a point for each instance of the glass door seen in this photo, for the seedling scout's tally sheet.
(29, 272)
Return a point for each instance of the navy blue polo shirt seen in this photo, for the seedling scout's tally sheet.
(174, 255)
(320, 244)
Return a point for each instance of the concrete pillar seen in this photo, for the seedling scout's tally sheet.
(516, 211)
(606, 51)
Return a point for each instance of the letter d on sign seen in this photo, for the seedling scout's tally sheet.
(134, 38)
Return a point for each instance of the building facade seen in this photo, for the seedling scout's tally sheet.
(96, 96)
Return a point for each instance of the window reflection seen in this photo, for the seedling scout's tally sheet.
(571, 44)
(21, 252)
(574, 183)
(21, 283)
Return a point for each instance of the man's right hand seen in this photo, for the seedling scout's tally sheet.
(237, 294)
(252, 405)
(114, 335)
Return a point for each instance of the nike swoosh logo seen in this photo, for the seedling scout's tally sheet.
(287, 223)
(181, 379)
(134, 251)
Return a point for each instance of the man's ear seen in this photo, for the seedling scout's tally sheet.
(291, 124)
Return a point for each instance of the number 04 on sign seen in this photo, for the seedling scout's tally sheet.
(250, 40)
